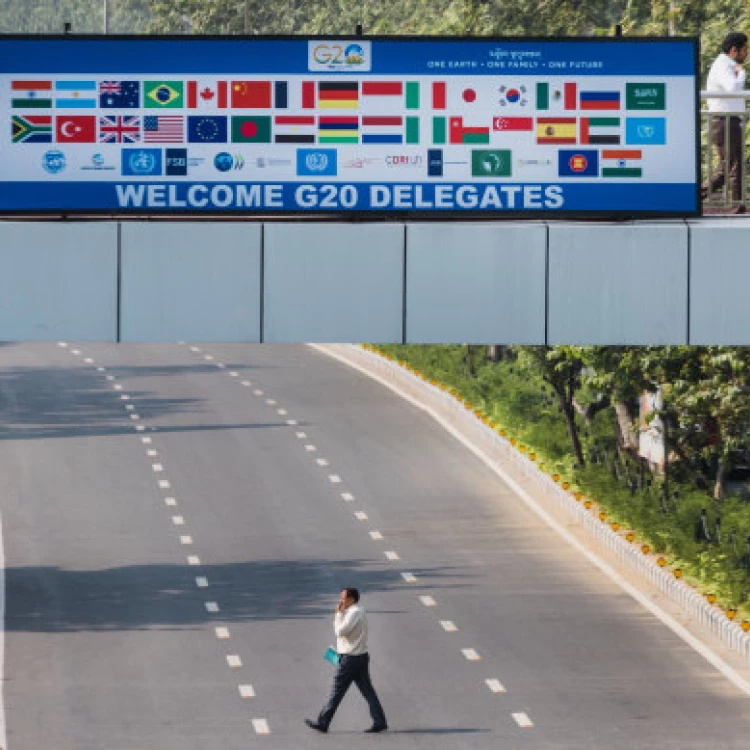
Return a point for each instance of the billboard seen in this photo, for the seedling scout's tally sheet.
(401, 126)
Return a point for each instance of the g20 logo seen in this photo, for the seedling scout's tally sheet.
(339, 55)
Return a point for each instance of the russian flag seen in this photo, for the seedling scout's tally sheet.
(600, 100)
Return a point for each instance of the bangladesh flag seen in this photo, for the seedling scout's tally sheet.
(163, 95)
(252, 129)
(32, 129)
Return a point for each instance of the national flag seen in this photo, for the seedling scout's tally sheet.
(646, 131)
(251, 129)
(338, 95)
(168, 129)
(206, 94)
(119, 94)
(120, 129)
(76, 94)
(32, 128)
(412, 95)
(645, 96)
(459, 133)
(251, 95)
(338, 129)
(577, 163)
(308, 95)
(412, 130)
(556, 96)
(512, 123)
(600, 100)
(624, 163)
(75, 129)
(31, 94)
(495, 163)
(294, 129)
(206, 129)
(439, 95)
(556, 130)
(600, 130)
(163, 95)
(382, 129)
(513, 96)
(281, 95)
(382, 88)
(439, 131)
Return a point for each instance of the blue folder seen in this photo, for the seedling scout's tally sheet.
(332, 656)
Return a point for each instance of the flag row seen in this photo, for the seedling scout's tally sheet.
(340, 95)
(333, 129)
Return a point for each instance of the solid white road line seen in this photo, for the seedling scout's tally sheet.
(448, 626)
(523, 721)
(470, 654)
(212, 607)
(246, 691)
(428, 601)
(234, 661)
(495, 685)
(681, 632)
(261, 726)
(409, 577)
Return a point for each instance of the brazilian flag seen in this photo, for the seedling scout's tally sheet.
(163, 95)
(32, 129)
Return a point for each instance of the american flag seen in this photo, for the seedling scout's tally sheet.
(120, 129)
(163, 129)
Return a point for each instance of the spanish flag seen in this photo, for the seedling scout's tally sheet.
(555, 130)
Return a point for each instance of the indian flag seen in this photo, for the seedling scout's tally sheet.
(622, 163)
(28, 94)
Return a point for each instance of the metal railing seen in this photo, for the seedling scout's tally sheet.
(723, 127)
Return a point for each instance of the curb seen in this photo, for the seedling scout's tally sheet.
(498, 448)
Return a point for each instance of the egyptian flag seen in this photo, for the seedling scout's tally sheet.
(294, 129)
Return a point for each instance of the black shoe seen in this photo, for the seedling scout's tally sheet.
(314, 725)
(739, 210)
(375, 728)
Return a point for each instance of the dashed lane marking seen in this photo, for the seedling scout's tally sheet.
(246, 383)
(310, 448)
(201, 582)
(300, 435)
(321, 462)
(409, 577)
(157, 468)
(271, 402)
(234, 374)
(152, 453)
(170, 501)
(246, 691)
(495, 685)
(347, 497)
(186, 539)
(146, 440)
(428, 601)
(282, 412)
(234, 661)
(448, 626)
(222, 633)
(523, 721)
(212, 607)
(470, 654)
(261, 726)
(360, 515)
(164, 484)
(376, 535)
(178, 520)
(391, 555)
(193, 560)
(334, 478)
(292, 422)
(140, 428)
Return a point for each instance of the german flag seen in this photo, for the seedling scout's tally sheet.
(555, 130)
(338, 95)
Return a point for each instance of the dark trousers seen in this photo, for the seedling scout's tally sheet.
(352, 669)
(734, 151)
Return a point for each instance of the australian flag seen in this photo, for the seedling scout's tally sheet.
(119, 94)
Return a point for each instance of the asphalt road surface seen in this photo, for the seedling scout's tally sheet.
(171, 578)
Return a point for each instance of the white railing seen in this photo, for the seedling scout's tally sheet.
(710, 156)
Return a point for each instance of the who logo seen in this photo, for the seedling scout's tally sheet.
(320, 162)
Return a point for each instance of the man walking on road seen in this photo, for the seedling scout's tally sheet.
(728, 76)
(350, 627)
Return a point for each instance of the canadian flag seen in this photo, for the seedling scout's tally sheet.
(207, 94)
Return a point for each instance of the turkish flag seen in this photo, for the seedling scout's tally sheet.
(75, 129)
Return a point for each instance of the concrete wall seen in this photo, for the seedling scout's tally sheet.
(668, 282)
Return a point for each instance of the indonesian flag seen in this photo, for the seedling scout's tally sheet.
(206, 94)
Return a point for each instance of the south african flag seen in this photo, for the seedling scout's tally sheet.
(32, 129)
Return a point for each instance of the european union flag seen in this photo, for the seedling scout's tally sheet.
(119, 94)
(646, 131)
(207, 129)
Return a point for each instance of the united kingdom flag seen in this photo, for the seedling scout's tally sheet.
(120, 129)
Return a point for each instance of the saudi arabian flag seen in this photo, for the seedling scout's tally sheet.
(251, 129)
(163, 95)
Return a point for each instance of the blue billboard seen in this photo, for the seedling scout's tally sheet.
(495, 127)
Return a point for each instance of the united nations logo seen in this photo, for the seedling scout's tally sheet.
(316, 161)
(53, 161)
(141, 162)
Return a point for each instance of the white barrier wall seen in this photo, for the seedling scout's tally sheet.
(669, 282)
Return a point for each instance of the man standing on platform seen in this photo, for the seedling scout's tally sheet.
(728, 76)
(350, 627)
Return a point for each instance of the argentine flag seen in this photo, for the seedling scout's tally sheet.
(75, 94)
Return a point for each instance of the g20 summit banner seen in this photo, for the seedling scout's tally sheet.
(577, 127)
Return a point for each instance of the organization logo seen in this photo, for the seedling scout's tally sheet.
(53, 161)
(263, 162)
(225, 162)
(320, 162)
(359, 163)
(176, 160)
(404, 160)
(646, 131)
(490, 163)
(98, 164)
(339, 56)
(141, 162)
(435, 162)
(578, 163)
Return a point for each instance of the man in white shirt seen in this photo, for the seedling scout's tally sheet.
(728, 75)
(350, 627)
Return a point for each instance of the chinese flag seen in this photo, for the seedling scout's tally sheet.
(75, 129)
(251, 94)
